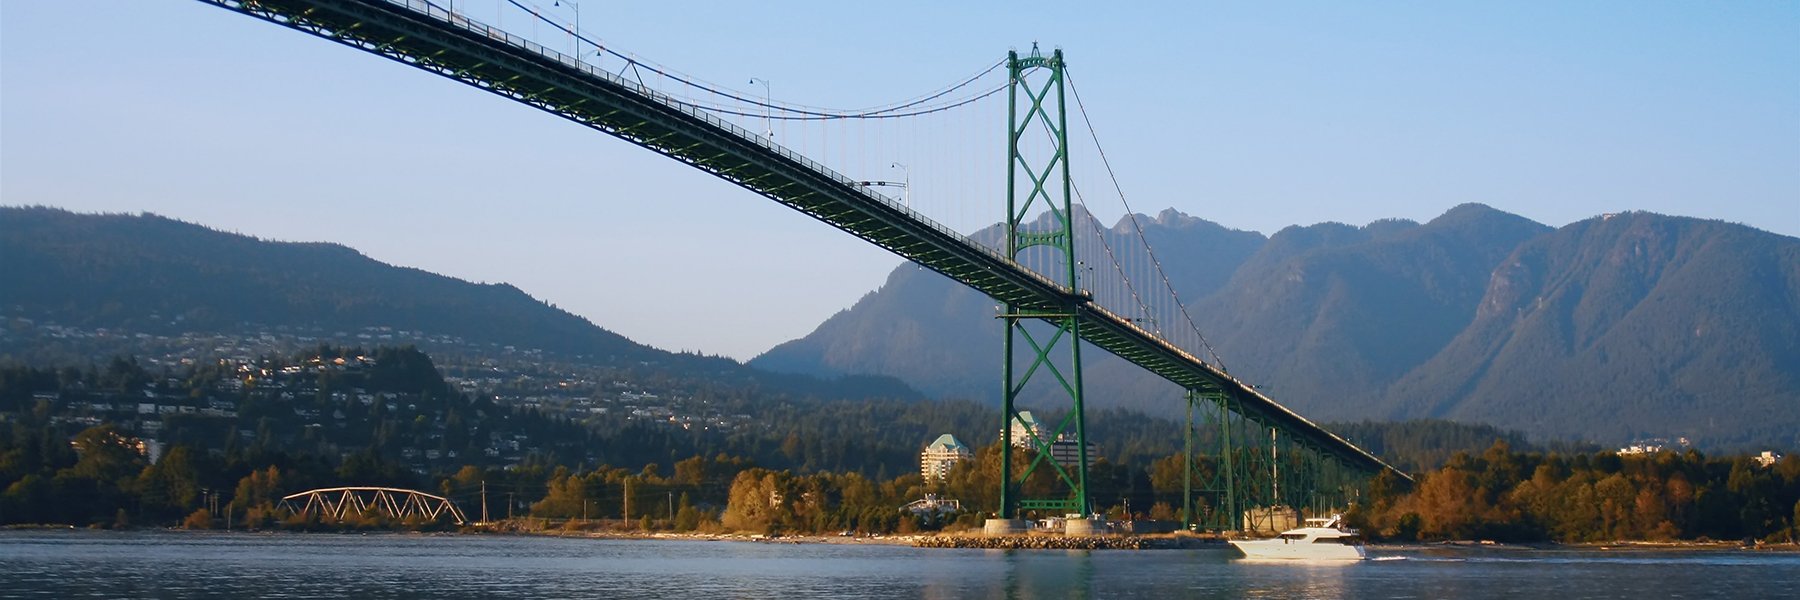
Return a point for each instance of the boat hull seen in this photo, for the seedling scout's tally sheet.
(1281, 549)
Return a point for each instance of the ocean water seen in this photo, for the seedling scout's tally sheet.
(97, 564)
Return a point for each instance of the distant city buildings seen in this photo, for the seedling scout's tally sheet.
(1063, 449)
(1653, 446)
(940, 455)
(1066, 452)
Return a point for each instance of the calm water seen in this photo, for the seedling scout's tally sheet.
(83, 564)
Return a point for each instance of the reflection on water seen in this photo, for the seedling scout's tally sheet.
(82, 564)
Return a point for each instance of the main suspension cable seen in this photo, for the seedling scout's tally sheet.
(1131, 214)
(806, 112)
(834, 117)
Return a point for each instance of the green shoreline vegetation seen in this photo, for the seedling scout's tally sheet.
(72, 454)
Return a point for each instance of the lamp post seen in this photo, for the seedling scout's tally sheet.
(577, 33)
(768, 129)
(906, 185)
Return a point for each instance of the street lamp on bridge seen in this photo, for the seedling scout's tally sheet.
(576, 33)
(768, 129)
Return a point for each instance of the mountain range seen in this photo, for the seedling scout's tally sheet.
(150, 275)
(1620, 327)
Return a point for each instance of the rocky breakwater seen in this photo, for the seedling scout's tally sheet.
(1057, 542)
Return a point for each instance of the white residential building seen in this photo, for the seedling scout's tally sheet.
(1063, 449)
(940, 455)
(1024, 427)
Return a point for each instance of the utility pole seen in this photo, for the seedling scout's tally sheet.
(671, 507)
(509, 505)
(484, 514)
(627, 501)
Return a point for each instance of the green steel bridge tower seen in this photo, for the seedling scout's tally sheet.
(1045, 184)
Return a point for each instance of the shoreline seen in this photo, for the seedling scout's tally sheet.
(964, 540)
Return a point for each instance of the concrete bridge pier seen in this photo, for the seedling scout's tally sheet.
(1085, 527)
(1004, 527)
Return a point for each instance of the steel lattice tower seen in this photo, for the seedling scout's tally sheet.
(1045, 185)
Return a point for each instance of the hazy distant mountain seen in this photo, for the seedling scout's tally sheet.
(1635, 325)
(1629, 325)
(1325, 317)
(149, 274)
(942, 337)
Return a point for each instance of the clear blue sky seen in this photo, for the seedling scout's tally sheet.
(1256, 115)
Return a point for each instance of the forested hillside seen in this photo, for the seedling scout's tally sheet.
(122, 445)
(1631, 325)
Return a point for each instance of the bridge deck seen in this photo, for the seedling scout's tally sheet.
(427, 36)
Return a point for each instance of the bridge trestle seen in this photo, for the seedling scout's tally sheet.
(1247, 473)
(402, 505)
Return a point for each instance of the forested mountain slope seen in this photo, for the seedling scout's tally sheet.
(1629, 325)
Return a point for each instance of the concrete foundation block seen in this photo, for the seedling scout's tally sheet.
(1004, 527)
(1085, 527)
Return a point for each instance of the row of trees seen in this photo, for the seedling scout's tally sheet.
(836, 456)
(100, 477)
(1505, 495)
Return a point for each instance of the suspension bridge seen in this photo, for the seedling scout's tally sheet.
(1019, 231)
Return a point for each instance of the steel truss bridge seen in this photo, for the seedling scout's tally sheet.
(394, 503)
(1264, 454)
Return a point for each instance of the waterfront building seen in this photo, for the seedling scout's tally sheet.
(1767, 459)
(1066, 452)
(940, 455)
(932, 504)
(1024, 427)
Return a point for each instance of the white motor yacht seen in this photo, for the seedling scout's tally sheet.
(1320, 539)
